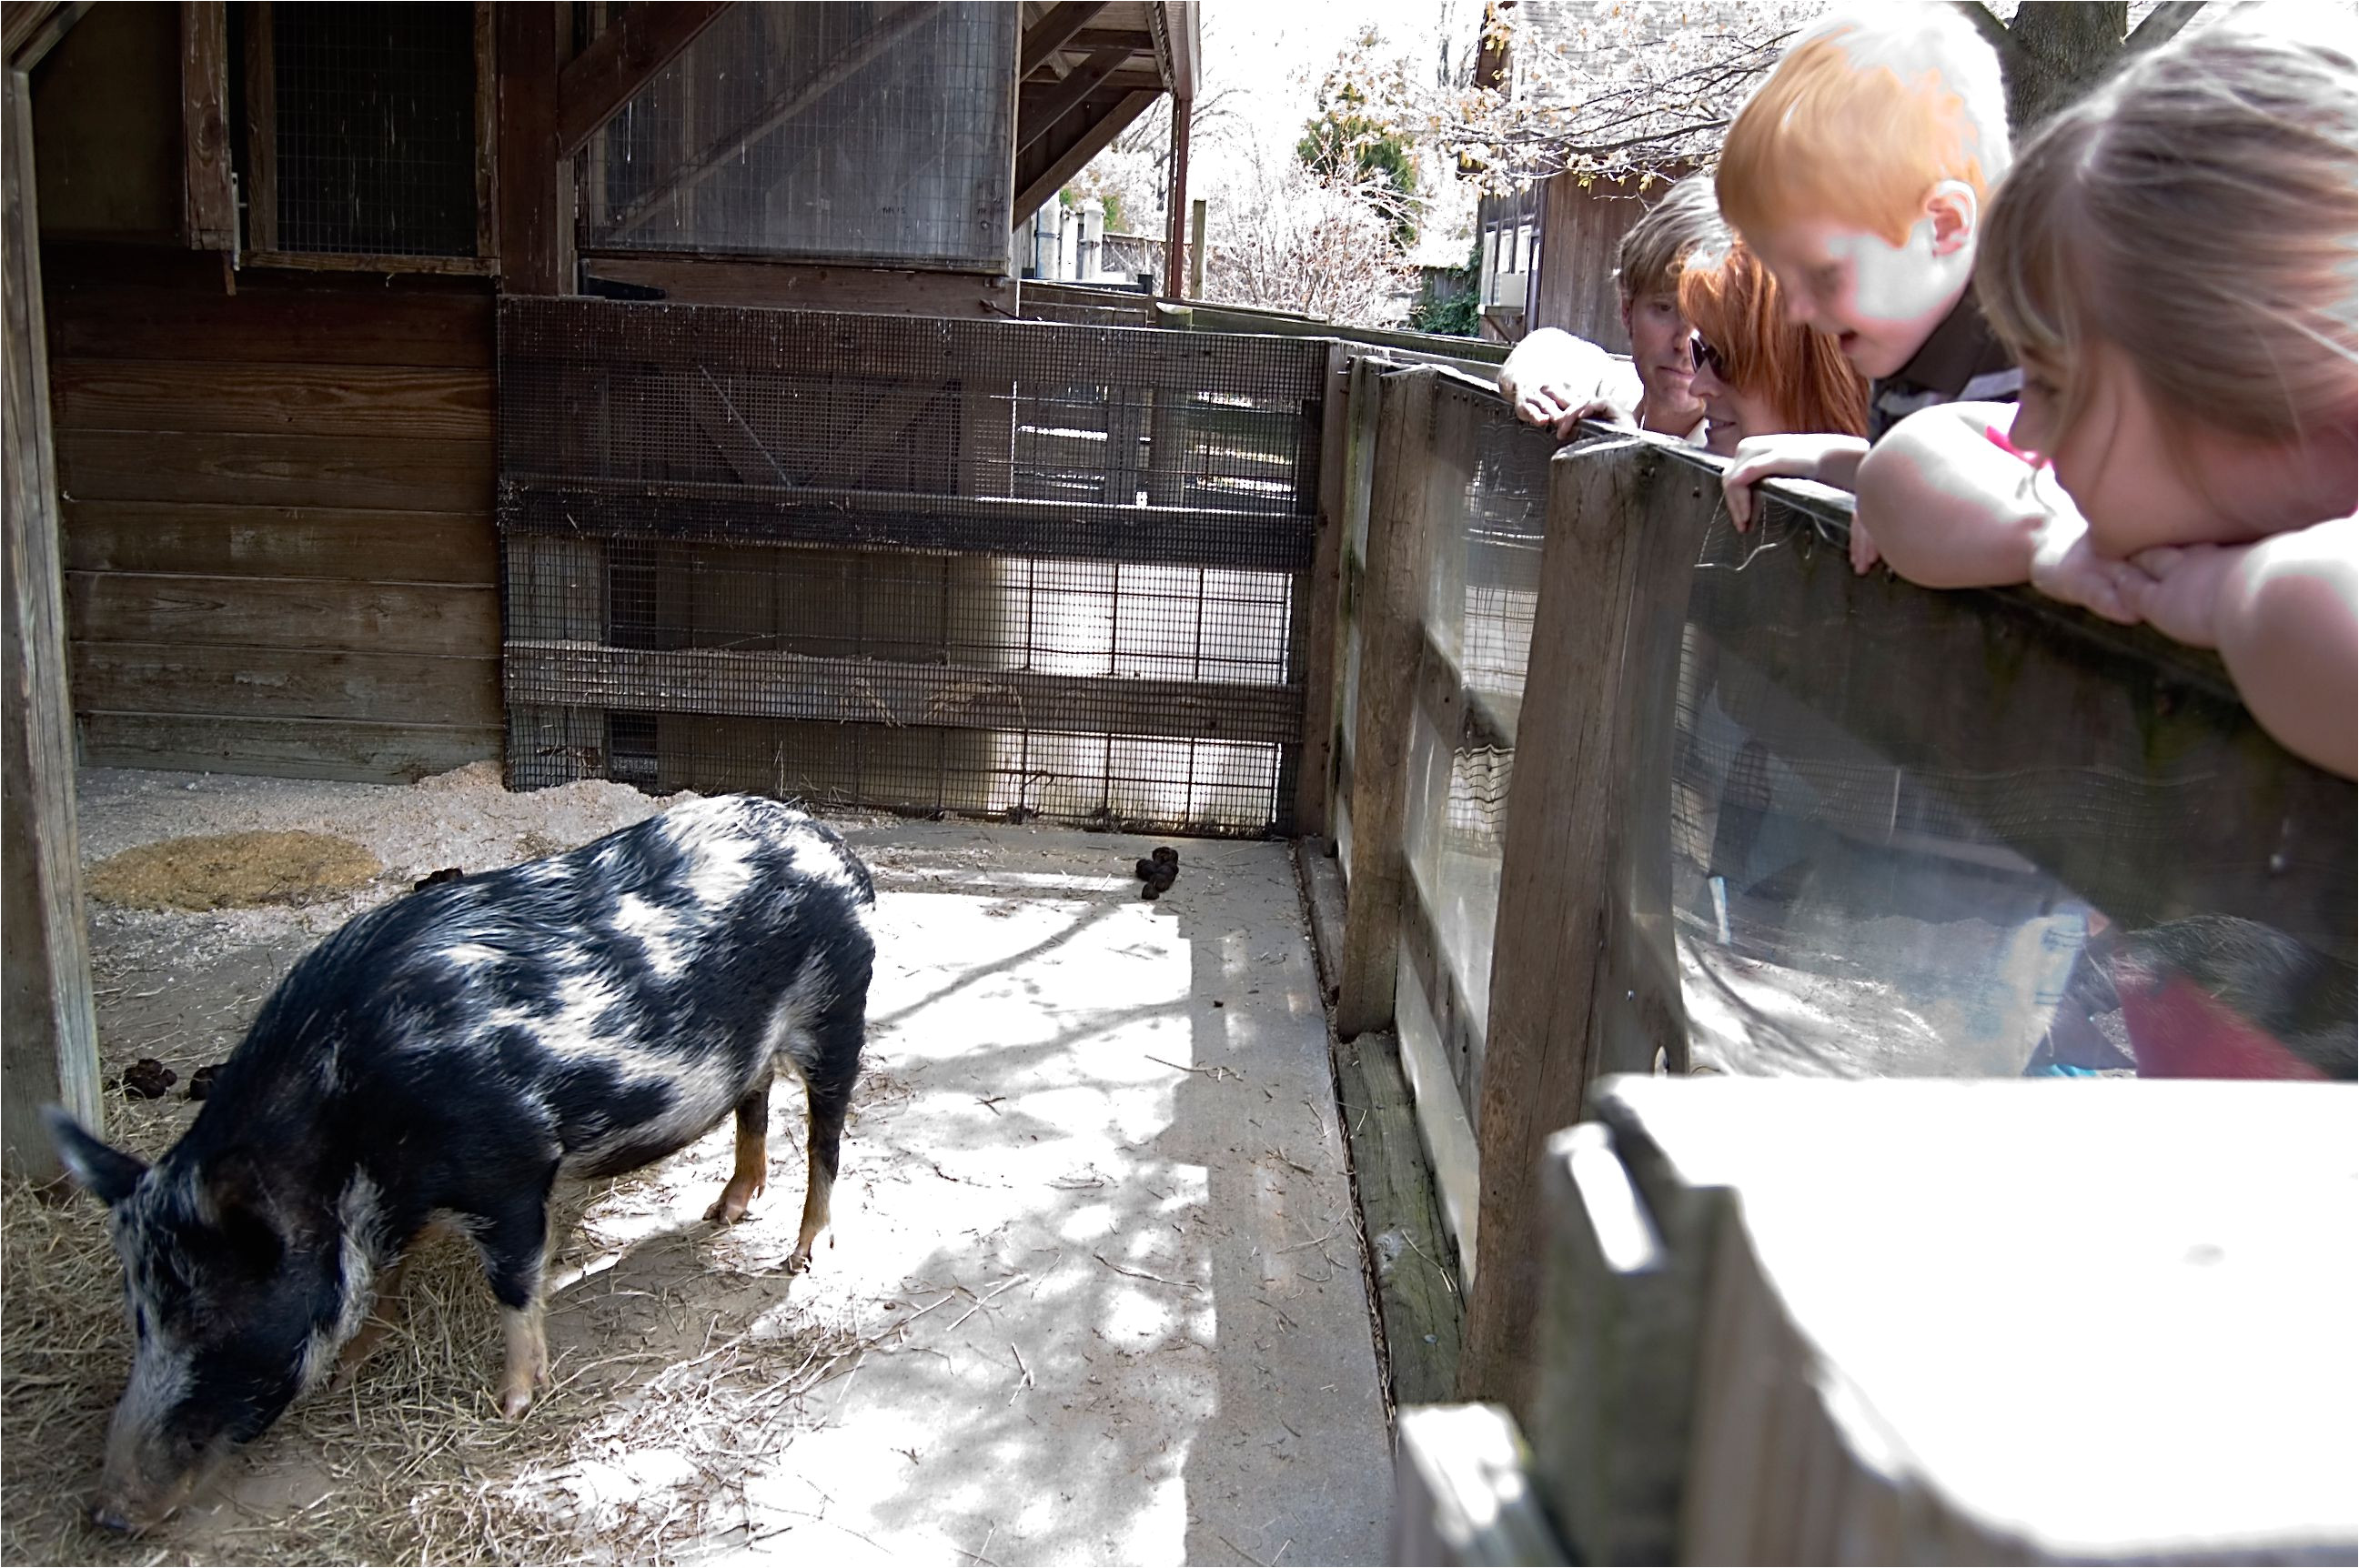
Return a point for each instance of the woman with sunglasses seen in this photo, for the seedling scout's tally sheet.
(1755, 372)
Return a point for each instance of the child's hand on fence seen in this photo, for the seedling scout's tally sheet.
(2064, 568)
(1828, 459)
(1863, 552)
(2176, 588)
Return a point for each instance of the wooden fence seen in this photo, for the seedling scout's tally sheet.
(1615, 789)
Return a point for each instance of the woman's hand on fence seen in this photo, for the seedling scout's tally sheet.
(1828, 459)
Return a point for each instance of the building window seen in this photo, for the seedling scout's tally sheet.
(364, 129)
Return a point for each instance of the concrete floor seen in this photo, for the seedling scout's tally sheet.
(1121, 1133)
(1094, 1169)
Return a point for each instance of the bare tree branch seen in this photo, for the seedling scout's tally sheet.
(1987, 24)
(2162, 24)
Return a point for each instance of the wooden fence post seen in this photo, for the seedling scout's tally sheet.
(48, 1037)
(1613, 590)
(1321, 601)
(1392, 641)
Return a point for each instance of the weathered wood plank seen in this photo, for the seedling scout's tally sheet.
(353, 545)
(261, 127)
(280, 683)
(334, 322)
(1252, 541)
(1462, 1492)
(1409, 1248)
(283, 748)
(310, 400)
(1392, 642)
(1417, 1291)
(881, 691)
(280, 612)
(209, 210)
(535, 186)
(394, 473)
(49, 1035)
(697, 280)
(624, 58)
(1606, 569)
(687, 340)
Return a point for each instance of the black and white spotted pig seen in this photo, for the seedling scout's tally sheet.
(447, 1056)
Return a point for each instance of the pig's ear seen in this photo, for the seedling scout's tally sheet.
(234, 1199)
(107, 1174)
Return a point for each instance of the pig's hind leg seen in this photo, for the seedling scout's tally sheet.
(828, 1056)
(752, 1173)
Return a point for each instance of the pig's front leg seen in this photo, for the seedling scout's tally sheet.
(514, 1242)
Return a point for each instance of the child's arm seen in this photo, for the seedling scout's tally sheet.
(1946, 505)
(1828, 459)
(2285, 615)
(1554, 378)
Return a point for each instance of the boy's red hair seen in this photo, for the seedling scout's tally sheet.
(1861, 119)
(1732, 300)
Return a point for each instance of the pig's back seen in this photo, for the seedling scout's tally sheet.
(603, 1006)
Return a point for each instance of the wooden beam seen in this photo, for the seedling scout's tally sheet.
(773, 113)
(1054, 32)
(487, 135)
(1183, 31)
(1042, 115)
(1175, 226)
(1091, 143)
(621, 60)
(1392, 643)
(261, 129)
(1322, 605)
(536, 196)
(1609, 568)
(48, 1033)
(883, 691)
(32, 28)
(209, 208)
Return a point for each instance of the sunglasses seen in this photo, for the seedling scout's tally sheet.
(1707, 357)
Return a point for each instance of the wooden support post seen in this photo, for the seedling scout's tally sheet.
(1175, 230)
(1320, 600)
(1196, 249)
(262, 128)
(535, 191)
(1392, 641)
(48, 1037)
(209, 207)
(1612, 595)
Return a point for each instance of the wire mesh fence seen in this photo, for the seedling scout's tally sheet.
(373, 109)
(1005, 569)
(850, 132)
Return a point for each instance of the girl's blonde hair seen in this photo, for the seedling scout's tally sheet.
(2199, 213)
(1863, 116)
(1729, 297)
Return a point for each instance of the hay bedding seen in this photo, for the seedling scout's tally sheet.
(680, 1355)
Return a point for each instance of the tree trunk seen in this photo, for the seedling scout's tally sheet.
(2057, 49)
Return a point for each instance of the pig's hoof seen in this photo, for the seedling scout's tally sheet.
(515, 1401)
(798, 1261)
(729, 1206)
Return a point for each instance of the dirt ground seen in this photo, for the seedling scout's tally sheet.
(1094, 1292)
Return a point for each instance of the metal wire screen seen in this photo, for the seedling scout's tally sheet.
(374, 116)
(1912, 833)
(1004, 568)
(1485, 581)
(854, 132)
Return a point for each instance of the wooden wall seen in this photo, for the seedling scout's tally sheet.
(277, 516)
(1581, 231)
